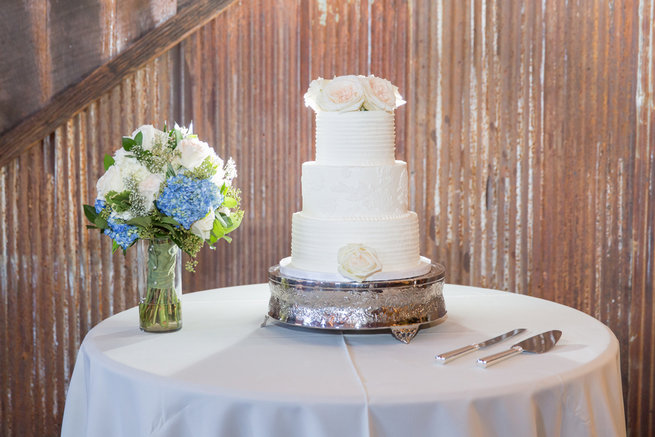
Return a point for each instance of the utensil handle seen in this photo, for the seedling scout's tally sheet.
(456, 353)
(500, 356)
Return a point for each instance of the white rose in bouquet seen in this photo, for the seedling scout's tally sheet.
(112, 180)
(358, 262)
(203, 227)
(381, 95)
(150, 136)
(149, 188)
(193, 152)
(341, 94)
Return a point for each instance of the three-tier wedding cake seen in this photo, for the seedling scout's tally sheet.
(354, 224)
(355, 262)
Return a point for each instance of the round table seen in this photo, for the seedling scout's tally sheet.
(223, 374)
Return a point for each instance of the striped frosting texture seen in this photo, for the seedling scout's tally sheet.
(355, 138)
(315, 241)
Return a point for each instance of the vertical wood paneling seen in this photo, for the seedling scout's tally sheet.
(529, 135)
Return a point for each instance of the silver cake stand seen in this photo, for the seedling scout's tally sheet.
(402, 305)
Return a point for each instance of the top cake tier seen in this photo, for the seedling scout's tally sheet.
(355, 138)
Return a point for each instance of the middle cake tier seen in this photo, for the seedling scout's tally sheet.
(315, 242)
(354, 191)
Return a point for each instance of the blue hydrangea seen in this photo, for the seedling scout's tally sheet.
(100, 205)
(121, 233)
(188, 200)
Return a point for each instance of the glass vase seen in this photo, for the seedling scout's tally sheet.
(160, 285)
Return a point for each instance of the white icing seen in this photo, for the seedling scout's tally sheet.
(315, 241)
(354, 191)
(355, 138)
(288, 269)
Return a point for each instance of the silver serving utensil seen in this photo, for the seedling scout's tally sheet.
(451, 355)
(538, 344)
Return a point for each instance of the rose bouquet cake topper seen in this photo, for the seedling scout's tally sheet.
(353, 93)
(166, 184)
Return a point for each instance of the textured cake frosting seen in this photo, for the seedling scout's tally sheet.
(334, 191)
(354, 195)
(355, 138)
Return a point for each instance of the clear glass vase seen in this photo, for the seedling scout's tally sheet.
(160, 285)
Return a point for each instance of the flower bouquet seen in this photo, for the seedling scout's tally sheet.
(171, 190)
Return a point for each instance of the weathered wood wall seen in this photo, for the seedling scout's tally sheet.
(529, 132)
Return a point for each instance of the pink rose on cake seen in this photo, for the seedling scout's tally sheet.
(352, 93)
(381, 95)
(358, 262)
(341, 94)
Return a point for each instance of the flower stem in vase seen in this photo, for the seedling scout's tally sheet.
(160, 308)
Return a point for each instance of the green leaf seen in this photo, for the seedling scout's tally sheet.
(229, 202)
(128, 143)
(114, 246)
(100, 222)
(169, 171)
(178, 138)
(225, 219)
(90, 213)
(138, 138)
(144, 222)
(108, 161)
(91, 227)
(236, 222)
(221, 220)
(223, 189)
(169, 228)
(228, 239)
(169, 220)
(217, 232)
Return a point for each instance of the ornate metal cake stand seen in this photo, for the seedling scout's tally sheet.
(402, 306)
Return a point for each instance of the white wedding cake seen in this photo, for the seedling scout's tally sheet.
(354, 224)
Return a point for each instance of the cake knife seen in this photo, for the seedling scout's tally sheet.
(456, 353)
(537, 344)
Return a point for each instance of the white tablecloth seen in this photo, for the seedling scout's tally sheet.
(224, 375)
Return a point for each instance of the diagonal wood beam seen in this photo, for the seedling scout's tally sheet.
(75, 98)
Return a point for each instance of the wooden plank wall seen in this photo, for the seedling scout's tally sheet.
(529, 131)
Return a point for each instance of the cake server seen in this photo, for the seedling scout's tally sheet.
(451, 355)
(538, 344)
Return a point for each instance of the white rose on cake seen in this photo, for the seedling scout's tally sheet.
(381, 95)
(353, 93)
(358, 262)
(341, 94)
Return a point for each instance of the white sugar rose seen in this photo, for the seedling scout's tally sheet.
(341, 94)
(313, 92)
(203, 227)
(381, 95)
(112, 180)
(149, 188)
(193, 152)
(358, 262)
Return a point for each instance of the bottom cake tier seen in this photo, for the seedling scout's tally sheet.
(400, 305)
(315, 244)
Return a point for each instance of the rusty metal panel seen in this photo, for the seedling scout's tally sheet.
(529, 133)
